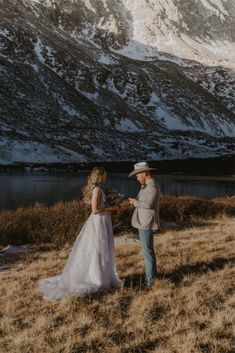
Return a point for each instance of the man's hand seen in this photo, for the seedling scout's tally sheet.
(131, 200)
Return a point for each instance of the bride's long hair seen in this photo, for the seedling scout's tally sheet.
(94, 179)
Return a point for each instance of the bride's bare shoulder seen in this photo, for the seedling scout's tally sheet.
(96, 190)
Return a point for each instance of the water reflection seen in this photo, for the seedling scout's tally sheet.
(23, 189)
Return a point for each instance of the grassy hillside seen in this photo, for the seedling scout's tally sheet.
(188, 310)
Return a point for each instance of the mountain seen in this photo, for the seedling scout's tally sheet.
(116, 80)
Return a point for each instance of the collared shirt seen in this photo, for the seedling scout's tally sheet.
(147, 182)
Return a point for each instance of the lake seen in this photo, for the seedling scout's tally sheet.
(25, 188)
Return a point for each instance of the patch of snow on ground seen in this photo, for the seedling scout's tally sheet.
(106, 59)
(72, 156)
(98, 150)
(154, 100)
(13, 151)
(228, 128)
(71, 111)
(13, 249)
(44, 2)
(169, 119)
(89, 6)
(124, 240)
(91, 96)
(43, 52)
(38, 50)
(216, 7)
(35, 67)
(126, 125)
(5, 33)
(153, 156)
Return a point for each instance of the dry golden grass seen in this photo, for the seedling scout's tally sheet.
(62, 222)
(189, 309)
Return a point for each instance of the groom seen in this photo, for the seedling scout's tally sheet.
(146, 215)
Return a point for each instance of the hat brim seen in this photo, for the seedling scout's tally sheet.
(134, 172)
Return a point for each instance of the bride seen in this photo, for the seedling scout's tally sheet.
(91, 264)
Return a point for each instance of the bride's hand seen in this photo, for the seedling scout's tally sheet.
(114, 208)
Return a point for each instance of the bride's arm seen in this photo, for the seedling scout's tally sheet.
(96, 202)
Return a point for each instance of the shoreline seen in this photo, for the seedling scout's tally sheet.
(167, 176)
(188, 177)
(217, 166)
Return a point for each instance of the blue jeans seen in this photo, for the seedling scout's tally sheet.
(146, 240)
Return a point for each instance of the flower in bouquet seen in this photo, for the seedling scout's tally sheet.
(113, 197)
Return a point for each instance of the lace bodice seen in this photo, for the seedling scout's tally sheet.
(103, 197)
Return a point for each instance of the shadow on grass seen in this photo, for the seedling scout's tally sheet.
(119, 339)
(201, 267)
(102, 293)
(135, 281)
(168, 226)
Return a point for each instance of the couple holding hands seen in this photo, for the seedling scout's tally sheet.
(91, 263)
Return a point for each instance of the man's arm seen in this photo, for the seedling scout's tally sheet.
(150, 197)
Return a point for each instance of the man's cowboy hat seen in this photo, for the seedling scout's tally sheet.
(140, 167)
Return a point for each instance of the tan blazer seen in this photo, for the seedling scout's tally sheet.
(146, 214)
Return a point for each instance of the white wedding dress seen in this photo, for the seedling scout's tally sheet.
(91, 264)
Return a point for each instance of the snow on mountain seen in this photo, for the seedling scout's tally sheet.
(12, 151)
(200, 30)
(86, 80)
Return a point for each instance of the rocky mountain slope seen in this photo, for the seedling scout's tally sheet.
(112, 80)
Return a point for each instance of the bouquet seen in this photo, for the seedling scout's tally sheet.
(113, 197)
